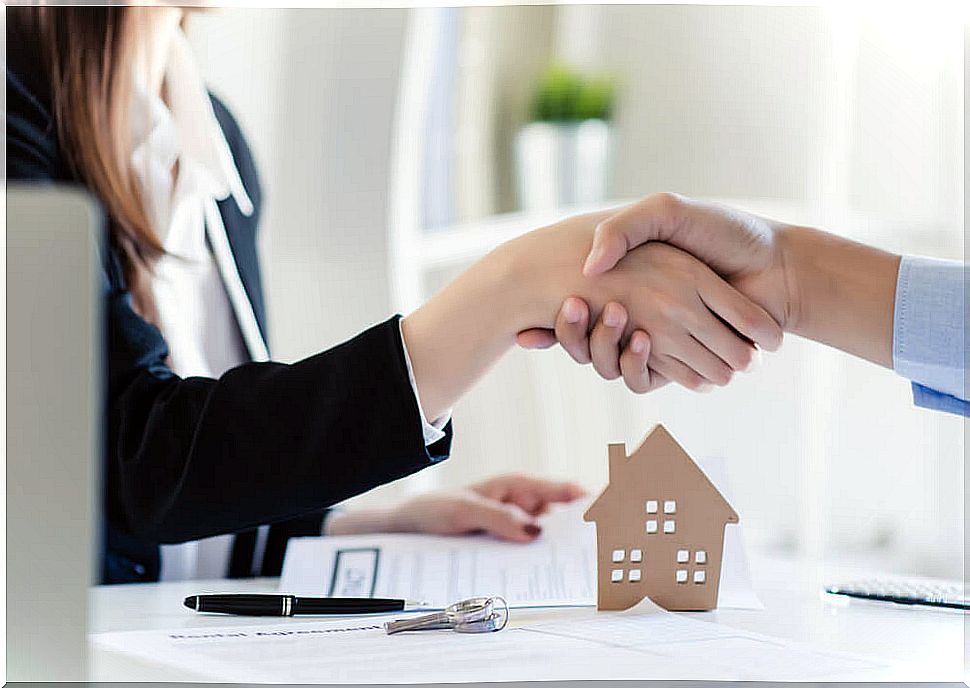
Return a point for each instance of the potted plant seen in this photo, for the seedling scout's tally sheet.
(563, 154)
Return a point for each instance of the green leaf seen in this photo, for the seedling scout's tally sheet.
(566, 95)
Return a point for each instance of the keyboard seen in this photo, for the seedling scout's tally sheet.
(922, 591)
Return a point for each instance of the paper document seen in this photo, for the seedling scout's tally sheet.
(596, 645)
(559, 569)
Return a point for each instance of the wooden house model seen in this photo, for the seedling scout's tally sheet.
(659, 529)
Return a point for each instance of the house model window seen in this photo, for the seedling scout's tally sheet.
(659, 501)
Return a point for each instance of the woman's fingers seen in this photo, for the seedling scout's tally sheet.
(536, 494)
(604, 342)
(506, 521)
(536, 338)
(531, 494)
(633, 363)
(740, 312)
(572, 329)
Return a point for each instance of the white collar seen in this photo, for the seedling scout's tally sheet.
(186, 128)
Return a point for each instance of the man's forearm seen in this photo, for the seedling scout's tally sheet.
(842, 292)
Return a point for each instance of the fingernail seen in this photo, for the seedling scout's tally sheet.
(705, 387)
(610, 317)
(532, 530)
(571, 311)
(636, 345)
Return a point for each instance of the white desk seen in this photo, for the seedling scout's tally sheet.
(915, 643)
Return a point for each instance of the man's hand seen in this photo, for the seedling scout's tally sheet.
(506, 506)
(742, 248)
(700, 328)
(815, 284)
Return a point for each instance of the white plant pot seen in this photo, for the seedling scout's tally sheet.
(563, 164)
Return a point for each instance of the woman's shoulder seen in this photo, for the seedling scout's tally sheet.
(33, 151)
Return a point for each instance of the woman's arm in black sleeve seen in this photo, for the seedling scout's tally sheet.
(266, 442)
(193, 457)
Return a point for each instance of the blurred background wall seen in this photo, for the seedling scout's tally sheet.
(385, 136)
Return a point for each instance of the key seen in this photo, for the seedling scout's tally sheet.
(424, 622)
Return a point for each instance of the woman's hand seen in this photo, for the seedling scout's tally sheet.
(603, 347)
(506, 506)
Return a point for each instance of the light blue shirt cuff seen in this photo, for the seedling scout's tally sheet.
(929, 332)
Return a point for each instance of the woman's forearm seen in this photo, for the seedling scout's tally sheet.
(463, 330)
(843, 292)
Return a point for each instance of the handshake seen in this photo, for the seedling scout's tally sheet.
(676, 290)
(668, 289)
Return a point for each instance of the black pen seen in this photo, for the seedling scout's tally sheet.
(288, 605)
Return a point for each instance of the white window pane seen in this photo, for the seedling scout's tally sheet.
(651, 506)
(616, 575)
(683, 556)
(651, 526)
(636, 555)
(634, 575)
(700, 557)
(618, 555)
(681, 575)
(699, 576)
(670, 527)
(670, 507)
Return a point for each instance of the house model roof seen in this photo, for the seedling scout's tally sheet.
(658, 459)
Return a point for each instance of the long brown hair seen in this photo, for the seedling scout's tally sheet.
(87, 54)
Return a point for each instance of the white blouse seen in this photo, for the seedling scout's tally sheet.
(184, 166)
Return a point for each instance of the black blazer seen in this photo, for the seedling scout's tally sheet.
(267, 442)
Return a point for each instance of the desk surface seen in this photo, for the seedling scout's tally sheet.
(915, 643)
